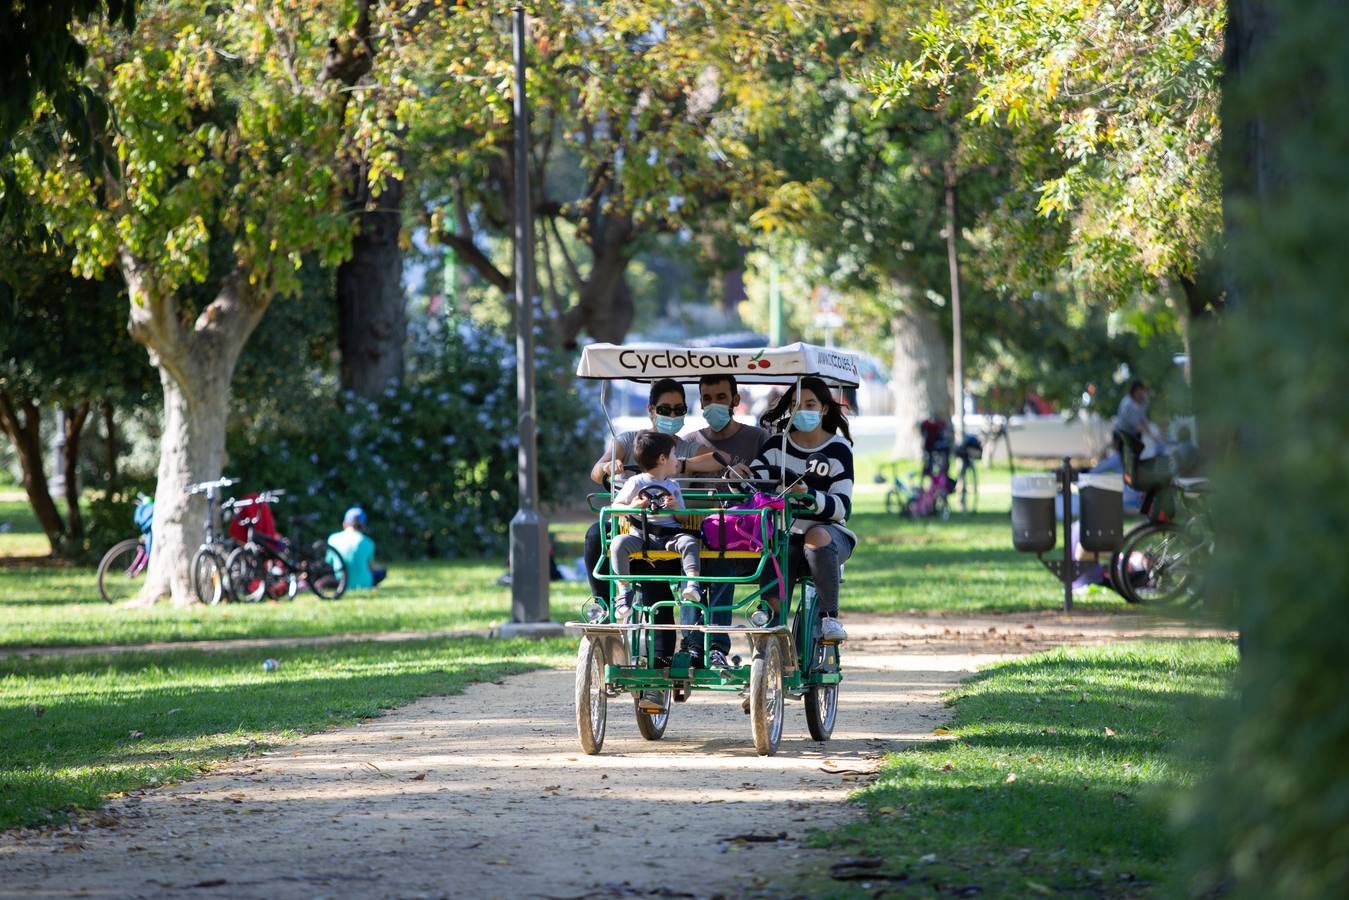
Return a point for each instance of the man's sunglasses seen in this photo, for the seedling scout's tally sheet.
(666, 410)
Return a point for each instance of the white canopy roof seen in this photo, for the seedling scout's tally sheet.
(771, 365)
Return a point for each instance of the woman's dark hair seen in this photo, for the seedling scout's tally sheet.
(649, 446)
(778, 417)
(664, 386)
(1135, 387)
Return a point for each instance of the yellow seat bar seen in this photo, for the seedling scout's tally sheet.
(666, 555)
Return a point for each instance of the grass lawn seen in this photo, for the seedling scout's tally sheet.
(78, 729)
(1056, 780)
(965, 564)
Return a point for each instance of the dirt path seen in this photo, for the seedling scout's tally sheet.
(486, 794)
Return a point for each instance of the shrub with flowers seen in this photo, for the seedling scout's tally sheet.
(433, 462)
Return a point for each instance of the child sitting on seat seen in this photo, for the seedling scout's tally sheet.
(653, 489)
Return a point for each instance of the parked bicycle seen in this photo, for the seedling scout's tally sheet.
(928, 492)
(267, 566)
(209, 581)
(121, 571)
(1161, 559)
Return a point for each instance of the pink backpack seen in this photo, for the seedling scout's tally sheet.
(742, 531)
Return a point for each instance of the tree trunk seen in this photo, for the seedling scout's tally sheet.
(919, 376)
(195, 367)
(22, 422)
(372, 321)
(75, 419)
(603, 307)
(109, 447)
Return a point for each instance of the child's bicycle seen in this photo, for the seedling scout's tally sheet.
(121, 571)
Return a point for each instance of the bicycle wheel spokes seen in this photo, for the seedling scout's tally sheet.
(1159, 566)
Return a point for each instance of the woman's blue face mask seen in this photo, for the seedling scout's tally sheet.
(806, 419)
(669, 424)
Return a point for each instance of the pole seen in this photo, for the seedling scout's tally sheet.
(957, 343)
(1069, 570)
(774, 305)
(529, 530)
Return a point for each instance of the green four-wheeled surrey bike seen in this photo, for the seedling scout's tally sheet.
(786, 657)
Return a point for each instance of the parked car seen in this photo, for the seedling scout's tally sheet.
(1082, 435)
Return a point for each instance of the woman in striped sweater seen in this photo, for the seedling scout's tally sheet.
(817, 456)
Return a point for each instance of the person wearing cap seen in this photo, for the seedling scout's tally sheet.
(358, 550)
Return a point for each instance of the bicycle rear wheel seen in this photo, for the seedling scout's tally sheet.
(243, 570)
(121, 572)
(327, 574)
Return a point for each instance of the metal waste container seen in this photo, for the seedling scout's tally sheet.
(1102, 524)
(1033, 522)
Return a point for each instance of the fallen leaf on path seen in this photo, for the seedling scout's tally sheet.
(948, 766)
(1011, 776)
(941, 729)
(553, 787)
(756, 838)
(395, 737)
(420, 776)
(1109, 732)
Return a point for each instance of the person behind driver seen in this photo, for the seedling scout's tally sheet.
(656, 491)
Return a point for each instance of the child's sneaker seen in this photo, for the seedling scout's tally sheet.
(691, 593)
(623, 608)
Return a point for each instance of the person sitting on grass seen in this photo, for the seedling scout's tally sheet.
(357, 551)
(654, 489)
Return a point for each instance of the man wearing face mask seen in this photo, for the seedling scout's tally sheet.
(737, 442)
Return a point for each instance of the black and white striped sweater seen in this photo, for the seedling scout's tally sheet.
(828, 476)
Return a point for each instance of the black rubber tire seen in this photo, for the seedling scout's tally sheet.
(1152, 565)
(328, 580)
(209, 583)
(653, 727)
(969, 490)
(766, 697)
(243, 570)
(115, 580)
(822, 699)
(592, 703)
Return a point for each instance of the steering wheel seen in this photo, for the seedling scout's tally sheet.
(656, 495)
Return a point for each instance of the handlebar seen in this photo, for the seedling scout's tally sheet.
(202, 487)
(262, 497)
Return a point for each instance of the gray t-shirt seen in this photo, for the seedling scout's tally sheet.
(634, 485)
(741, 447)
(1131, 415)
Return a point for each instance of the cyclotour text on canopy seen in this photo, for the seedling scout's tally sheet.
(771, 365)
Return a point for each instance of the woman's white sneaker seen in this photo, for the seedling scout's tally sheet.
(831, 630)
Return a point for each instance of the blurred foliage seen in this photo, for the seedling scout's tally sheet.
(433, 462)
(1274, 821)
(1124, 99)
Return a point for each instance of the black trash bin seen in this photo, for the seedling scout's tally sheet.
(1102, 525)
(1033, 522)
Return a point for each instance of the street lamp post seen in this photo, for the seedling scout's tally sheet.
(529, 530)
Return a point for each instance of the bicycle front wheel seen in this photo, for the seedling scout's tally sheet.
(208, 576)
(243, 570)
(1156, 564)
(121, 572)
(969, 489)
